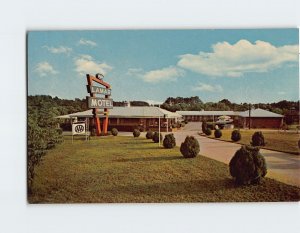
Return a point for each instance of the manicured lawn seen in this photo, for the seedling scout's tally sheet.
(125, 169)
(280, 141)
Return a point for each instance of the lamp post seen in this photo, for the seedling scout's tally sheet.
(249, 116)
(159, 127)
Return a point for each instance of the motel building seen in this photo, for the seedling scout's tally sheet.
(128, 118)
(258, 118)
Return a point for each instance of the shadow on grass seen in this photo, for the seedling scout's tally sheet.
(154, 147)
(148, 159)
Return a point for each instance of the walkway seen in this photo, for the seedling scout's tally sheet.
(281, 166)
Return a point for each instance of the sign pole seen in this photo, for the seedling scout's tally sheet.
(159, 129)
(85, 129)
(96, 119)
(96, 103)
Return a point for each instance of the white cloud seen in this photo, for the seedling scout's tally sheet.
(207, 87)
(237, 59)
(87, 42)
(44, 68)
(85, 64)
(60, 49)
(170, 73)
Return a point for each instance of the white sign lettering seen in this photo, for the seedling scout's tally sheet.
(99, 90)
(94, 102)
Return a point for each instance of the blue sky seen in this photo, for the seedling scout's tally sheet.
(239, 65)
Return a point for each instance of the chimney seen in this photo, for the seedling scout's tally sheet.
(127, 103)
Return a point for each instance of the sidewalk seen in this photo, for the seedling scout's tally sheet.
(282, 166)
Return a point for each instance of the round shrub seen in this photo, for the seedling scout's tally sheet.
(207, 131)
(236, 135)
(218, 133)
(149, 134)
(169, 141)
(248, 166)
(156, 136)
(258, 139)
(114, 131)
(136, 133)
(190, 147)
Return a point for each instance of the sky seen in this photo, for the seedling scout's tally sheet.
(250, 65)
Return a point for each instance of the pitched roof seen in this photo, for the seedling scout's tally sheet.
(254, 113)
(259, 113)
(132, 112)
(207, 113)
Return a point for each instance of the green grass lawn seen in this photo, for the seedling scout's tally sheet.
(126, 169)
(280, 141)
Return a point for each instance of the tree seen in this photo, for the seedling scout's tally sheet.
(42, 134)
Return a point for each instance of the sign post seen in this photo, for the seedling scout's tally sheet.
(99, 103)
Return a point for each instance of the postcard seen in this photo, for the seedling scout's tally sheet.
(163, 116)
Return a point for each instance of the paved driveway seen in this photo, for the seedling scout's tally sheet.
(281, 166)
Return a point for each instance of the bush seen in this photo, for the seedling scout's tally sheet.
(141, 128)
(204, 126)
(114, 131)
(156, 136)
(207, 131)
(218, 133)
(93, 132)
(236, 135)
(211, 125)
(169, 141)
(258, 139)
(248, 166)
(136, 133)
(149, 134)
(59, 131)
(190, 148)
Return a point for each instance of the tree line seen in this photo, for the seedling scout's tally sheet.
(196, 104)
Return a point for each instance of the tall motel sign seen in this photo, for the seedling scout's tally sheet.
(99, 105)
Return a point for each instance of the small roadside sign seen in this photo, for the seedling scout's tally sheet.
(78, 128)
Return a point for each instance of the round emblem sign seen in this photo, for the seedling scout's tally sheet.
(79, 128)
